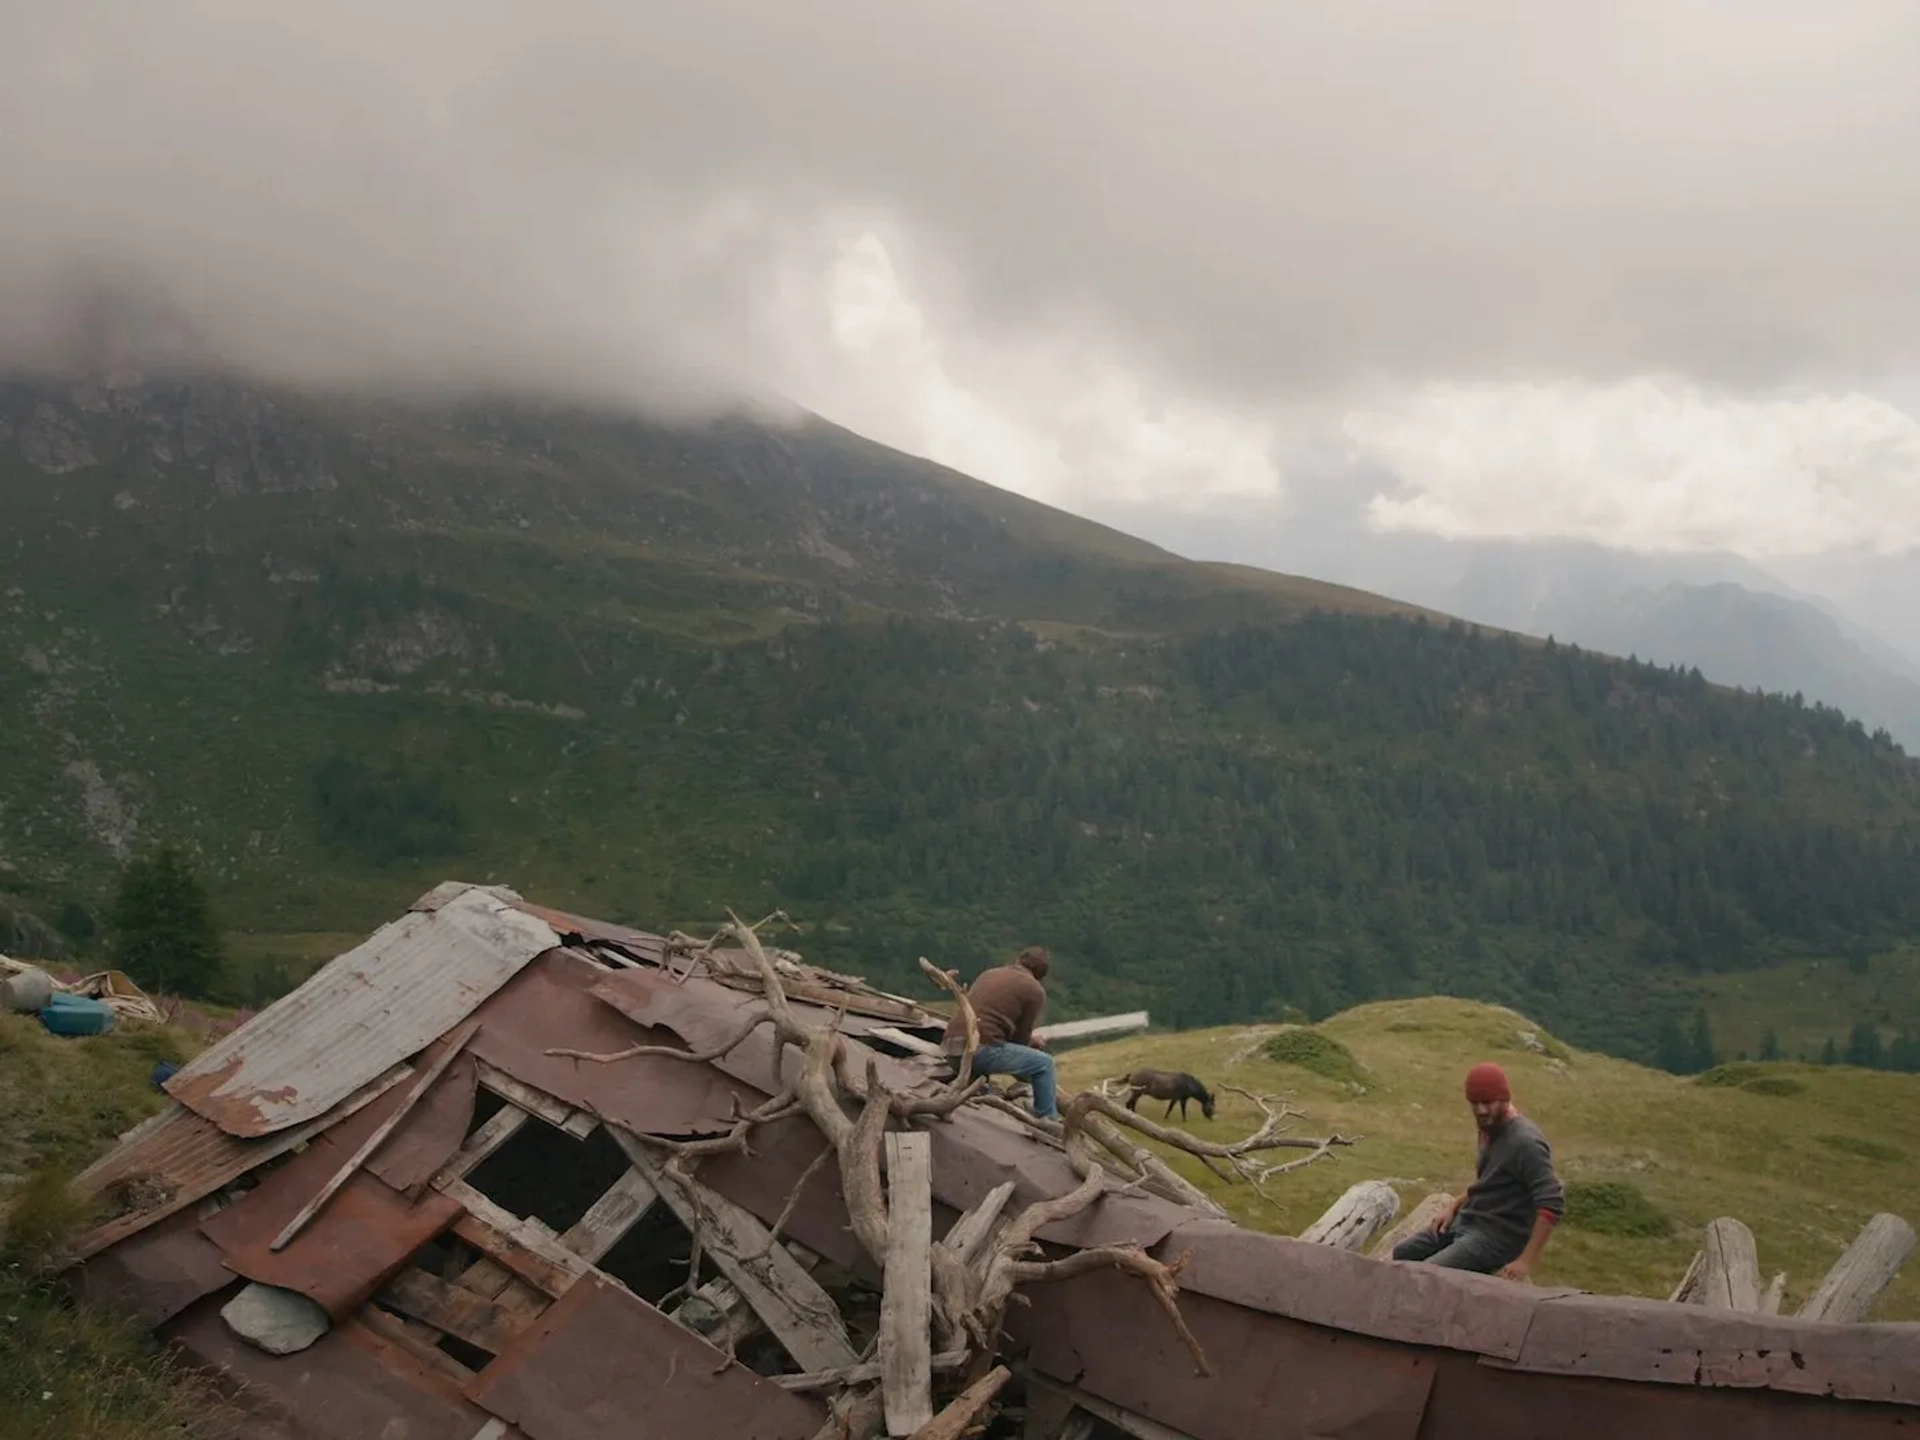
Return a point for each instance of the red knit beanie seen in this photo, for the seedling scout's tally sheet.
(1487, 1082)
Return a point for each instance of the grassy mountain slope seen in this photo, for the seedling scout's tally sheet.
(1803, 1154)
(342, 649)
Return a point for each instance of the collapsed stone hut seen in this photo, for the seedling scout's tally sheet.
(384, 1208)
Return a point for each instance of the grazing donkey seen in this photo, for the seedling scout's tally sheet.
(1176, 1087)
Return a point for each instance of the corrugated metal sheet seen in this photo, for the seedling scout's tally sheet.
(365, 1011)
(176, 1158)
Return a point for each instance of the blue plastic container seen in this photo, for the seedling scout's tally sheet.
(77, 1015)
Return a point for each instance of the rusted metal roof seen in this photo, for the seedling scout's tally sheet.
(176, 1158)
(365, 1233)
(365, 1011)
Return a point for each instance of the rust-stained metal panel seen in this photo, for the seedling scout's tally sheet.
(1653, 1341)
(1323, 1285)
(1471, 1401)
(1104, 1333)
(344, 1254)
(363, 1012)
(548, 1006)
(177, 1158)
(432, 1131)
(348, 1385)
(601, 1364)
(359, 1239)
(154, 1275)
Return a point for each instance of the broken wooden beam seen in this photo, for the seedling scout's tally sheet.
(1132, 1022)
(1858, 1277)
(1687, 1292)
(801, 1315)
(1776, 1292)
(1730, 1275)
(906, 1296)
(481, 1322)
(1356, 1217)
(865, 1373)
(611, 1216)
(1425, 1216)
(373, 1142)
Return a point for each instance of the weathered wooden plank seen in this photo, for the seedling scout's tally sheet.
(1356, 1217)
(1417, 1221)
(864, 1373)
(494, 1132)
(395, 1330)
(524, 1247)
(919, 1045)
(373, 1142)
(475, 1319)
(1854, 1283)
(1730, 1275)
(1108, 1025)
(1776, 1292)
(576, 1123)
(906, 1297)
(801, 1315)
(611, 1216)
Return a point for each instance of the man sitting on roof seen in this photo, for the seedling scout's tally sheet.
(1502, 1222)
(1008, 1002)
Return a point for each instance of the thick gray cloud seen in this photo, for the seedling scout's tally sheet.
(1244, 199)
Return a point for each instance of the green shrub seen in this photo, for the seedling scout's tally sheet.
(1864, 1149)
(1775, 1085)
(1309, 1049)
(1616, 1208)
(37, 1219)
(1405, 1027)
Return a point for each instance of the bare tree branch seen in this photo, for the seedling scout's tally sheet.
(699, 1057)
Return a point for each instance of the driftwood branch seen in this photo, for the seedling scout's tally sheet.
(963, 1007)
(960, 1417)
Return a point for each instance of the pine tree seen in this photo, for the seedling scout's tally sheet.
(1701, 1042)
(1769, 1045)
(1863, 1046)
(162, 927)
(1829, 1053)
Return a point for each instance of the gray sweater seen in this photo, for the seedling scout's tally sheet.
(1516, 1181)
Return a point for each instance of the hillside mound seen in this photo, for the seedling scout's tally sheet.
(1803, 1154)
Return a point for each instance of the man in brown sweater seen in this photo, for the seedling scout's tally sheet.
(1008, 1002)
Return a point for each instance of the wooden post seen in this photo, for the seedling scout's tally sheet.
(1730, 1276)
(1776, 1292)
(372, 1143)
(1356, 1217)
(1857, 1278)
(1422, 1217)
(906, 1299)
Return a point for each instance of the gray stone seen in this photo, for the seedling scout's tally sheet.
(277, 1321)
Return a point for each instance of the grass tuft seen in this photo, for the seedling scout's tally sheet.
(1616, 1208)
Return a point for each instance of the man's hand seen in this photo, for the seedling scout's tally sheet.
(1451, 1214)
(1518, 1270)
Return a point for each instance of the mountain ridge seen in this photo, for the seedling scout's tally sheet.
(335, 646)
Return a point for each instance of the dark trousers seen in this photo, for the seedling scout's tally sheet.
(1465, 1247)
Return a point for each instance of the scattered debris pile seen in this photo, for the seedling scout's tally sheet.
(502, 1173)
(91, 1005)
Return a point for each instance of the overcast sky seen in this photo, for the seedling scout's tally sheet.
(1636, 272)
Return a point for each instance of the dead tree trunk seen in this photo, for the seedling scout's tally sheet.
(1868, 1267)
(1356, 1217)
(1730, 1277)
(1421, 1218)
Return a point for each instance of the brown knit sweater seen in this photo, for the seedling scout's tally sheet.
(1007, 1003)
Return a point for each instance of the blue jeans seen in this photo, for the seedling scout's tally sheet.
(1024, 1063)
(1465, 1247)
